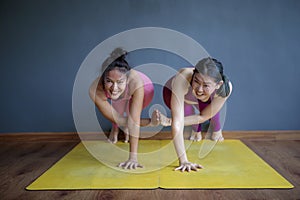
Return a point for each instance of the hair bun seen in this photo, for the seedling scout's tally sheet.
(118, 53)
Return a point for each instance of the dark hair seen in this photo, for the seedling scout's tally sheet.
(115, 60)
(214, 68)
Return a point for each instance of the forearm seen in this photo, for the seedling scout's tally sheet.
(178, 141)
(188, 120)
(110, 113)
(133, 148)
(134, 133)
(194, 119)
(121, 121)
(144, 122)
(209, 112)
(117, 119)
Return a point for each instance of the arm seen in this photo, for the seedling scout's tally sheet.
(177, 101)
(179, 89)
(210, 111)
(134, 121)
(135, 110)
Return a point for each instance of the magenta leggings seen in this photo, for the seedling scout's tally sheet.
(215, 124)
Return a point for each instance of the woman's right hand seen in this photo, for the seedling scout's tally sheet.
(130, 164)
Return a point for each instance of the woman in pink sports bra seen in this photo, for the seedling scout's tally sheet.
(120, 94)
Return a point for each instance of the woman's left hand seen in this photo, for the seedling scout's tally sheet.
(188, 166)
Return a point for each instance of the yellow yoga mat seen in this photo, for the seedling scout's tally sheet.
(229, 164)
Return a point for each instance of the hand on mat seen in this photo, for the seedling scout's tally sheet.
(188, 167)
(130, 164)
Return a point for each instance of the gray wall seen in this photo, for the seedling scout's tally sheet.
(43, 44)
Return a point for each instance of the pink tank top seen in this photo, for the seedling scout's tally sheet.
(148, 91)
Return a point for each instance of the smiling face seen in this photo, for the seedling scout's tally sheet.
(115, 83)
(203, 86)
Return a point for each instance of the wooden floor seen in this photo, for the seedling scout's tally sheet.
(24, 157)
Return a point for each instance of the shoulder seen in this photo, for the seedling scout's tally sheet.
(134, 81)
(187, 71)
(134, 77)
(182, 80)
(185, 74)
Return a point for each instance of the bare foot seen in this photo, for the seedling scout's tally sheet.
(113, 136)
(155, 118)
(126, 132)
(217, 136)
(164, 120)
(196, 136)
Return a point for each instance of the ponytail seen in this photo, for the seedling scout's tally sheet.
(224, 90)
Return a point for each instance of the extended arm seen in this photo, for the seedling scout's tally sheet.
(179, 89)
(211, 110)
(133, 123)
(177, 101)
(134, 126)
(207, 113)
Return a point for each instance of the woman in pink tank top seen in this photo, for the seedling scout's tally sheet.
(120, 94)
